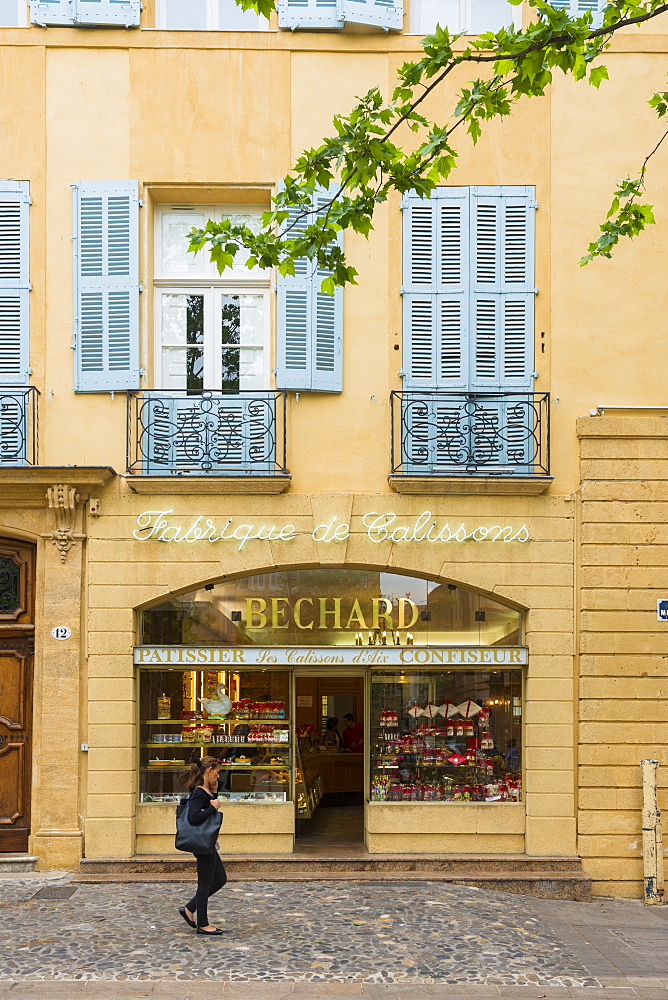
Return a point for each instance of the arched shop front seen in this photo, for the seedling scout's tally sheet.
(426, 679)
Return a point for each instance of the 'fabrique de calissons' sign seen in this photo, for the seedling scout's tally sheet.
(160, 526)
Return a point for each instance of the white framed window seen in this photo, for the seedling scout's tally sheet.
(13, 13)
(212, 332)
(468, 17)
(207, 15)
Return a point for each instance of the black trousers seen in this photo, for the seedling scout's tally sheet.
(211, 876)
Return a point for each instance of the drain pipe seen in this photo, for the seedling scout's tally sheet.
(652, 840)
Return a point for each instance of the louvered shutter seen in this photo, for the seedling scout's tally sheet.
(576, 8)
(435, 287)
(233, 435)
(14, 282)
(502, 277)
(311, 14)
(106, 286)
(52, 12)
(383, 13)
(121, 13)
(310, 324)
(327, 322)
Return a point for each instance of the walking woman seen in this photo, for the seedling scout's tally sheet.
(202, 783)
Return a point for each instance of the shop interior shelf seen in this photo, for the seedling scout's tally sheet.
(449, 767)
(228, 766)
(202, 743)
(211, 720)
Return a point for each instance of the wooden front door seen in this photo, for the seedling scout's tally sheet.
(16, 673)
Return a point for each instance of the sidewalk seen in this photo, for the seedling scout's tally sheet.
(327, 940)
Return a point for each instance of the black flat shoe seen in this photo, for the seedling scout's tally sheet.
(200, 930)
(182, 911)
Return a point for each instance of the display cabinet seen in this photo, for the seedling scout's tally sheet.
(309, 787)
(451, 736)
(241, 717)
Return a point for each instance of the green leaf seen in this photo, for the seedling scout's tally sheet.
(597, 75)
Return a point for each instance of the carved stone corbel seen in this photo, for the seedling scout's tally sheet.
(63, 500)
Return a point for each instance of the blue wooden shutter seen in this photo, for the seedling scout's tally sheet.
(311, 14)
(14, 282)
(435, 289)
(52, 12)
(502, 281)
(576, 8)
(310, 325)
(106, 286)
(119, 13)
(383, 13)
(327, 321)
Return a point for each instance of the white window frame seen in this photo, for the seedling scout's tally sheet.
(212, 19)
(22, 15)
(465, 18)
(212, 286)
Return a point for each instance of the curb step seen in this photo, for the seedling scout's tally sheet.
(544, 885)
(17, 862)
(307, 864)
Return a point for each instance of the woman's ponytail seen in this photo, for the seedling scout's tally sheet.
(195, 776)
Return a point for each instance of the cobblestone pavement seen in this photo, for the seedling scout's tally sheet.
(324, 939)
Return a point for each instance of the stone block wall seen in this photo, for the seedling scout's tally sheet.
(622, 524)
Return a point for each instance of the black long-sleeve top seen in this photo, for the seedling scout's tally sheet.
(200, 805)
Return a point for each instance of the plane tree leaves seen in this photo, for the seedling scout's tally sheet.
(384, 146)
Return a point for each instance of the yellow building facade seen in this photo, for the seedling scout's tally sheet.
(494, 539)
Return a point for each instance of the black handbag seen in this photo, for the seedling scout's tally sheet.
(196, 839)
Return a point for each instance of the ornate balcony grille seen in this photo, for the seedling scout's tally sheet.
(471, 433)
(18, 425)
(212, 433)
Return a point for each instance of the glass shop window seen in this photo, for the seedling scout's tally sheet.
(331, 607)
(241, 717)
(451, 736)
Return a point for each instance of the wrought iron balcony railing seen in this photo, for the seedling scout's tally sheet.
(18, 425)
(210, 433)
(471, 433)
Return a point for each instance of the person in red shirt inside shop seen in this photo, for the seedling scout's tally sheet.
(353, 734)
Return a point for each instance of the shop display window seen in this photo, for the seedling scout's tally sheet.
(451, 736)
(242, 717)
(331, 607)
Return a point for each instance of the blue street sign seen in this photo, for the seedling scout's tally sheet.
(662, 610)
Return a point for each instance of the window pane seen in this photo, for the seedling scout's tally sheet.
(175, 256)
(489, 15)
(230, 319)
(426, 14)
(452, 736)
(173, 368)
(183, 324)
(182, 319)
(230, 333)
(240, 269)
(185, 14)
(9, 13)
(252, 316)
(232, 18)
